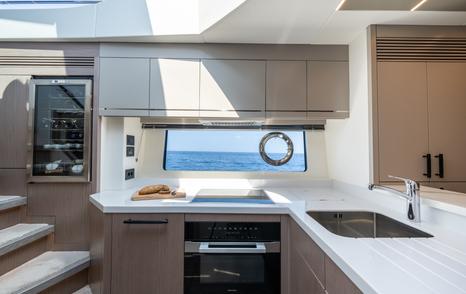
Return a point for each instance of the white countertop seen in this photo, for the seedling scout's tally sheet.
(383, 265)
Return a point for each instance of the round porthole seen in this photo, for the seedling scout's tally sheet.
(275, 139)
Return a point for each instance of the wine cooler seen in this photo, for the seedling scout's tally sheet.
(59, 130)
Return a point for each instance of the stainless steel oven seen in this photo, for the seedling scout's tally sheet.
(232, 257)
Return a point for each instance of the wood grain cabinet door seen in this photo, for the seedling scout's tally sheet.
(13, 121)
(147, 257)
(403, 120)
(307, 261)
(446, 83)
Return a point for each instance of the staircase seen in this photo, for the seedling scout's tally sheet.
(26, 263)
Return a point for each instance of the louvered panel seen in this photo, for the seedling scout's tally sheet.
(418, 49)
(45, 61)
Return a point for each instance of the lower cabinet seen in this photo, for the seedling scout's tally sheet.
(136, 253)
(147, 253)
(311, 270)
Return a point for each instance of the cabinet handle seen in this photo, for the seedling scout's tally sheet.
(428, 158)
(145, 222)
(440, 165)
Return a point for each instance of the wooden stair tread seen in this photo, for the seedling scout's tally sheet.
(44, 271)
(19, 235)
(84, 290)
(7, 202)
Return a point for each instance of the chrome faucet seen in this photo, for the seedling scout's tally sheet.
(411, 195)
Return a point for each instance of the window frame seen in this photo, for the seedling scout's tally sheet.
(164, 164)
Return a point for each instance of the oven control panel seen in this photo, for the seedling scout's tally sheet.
(232, 231)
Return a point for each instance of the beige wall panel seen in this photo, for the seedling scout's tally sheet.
(13, 182)
(13, 120)
(402, 119)
(69, 204)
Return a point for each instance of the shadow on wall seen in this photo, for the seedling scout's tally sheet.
(13, 134)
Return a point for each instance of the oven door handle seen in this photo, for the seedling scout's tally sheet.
(236, 247)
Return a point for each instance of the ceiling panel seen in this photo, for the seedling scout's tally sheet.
(379, 4)
(405, 5)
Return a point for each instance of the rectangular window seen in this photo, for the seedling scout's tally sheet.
(231, 150)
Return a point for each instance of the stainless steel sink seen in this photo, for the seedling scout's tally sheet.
(364, 224)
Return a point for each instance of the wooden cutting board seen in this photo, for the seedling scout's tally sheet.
(172, 195)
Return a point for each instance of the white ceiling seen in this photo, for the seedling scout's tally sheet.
(211, 21)
(311, 21)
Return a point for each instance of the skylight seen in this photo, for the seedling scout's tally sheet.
(37, 4)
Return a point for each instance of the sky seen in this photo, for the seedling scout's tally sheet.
(229, 141)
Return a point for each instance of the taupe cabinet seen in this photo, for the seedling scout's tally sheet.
(124, 85)
(327, 84)
(223, 88)
(421, 112)
(229, 87)
(174, 87)
(311, 270)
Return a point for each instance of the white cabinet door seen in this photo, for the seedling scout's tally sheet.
(229, 87)
(446, 82)
(328, 86)
(174, 87)
(286, 89)
(124, 86)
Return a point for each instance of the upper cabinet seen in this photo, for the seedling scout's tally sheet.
(229, 87)
(328, 87)
(174, 87)
(220, 80)
(124, 86)
(286, 89)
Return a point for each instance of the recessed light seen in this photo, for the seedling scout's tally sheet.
(418, 5)
(340, 5)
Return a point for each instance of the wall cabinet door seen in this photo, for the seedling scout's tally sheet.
(402, 120)
(328, 86)
(174, 87)
(13, 121)
(231, 86)
(147, 258)
(446, 84)
(124, 85)
(286, 89)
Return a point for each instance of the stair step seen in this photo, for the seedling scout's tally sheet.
(43, 271)
(84, 290)
(19, 235)
(7, 202)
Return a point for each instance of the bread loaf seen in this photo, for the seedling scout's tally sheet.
(152, 189)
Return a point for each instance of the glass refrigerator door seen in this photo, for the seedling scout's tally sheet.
(60, 130)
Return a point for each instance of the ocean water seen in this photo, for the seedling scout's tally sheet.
(229, 161)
